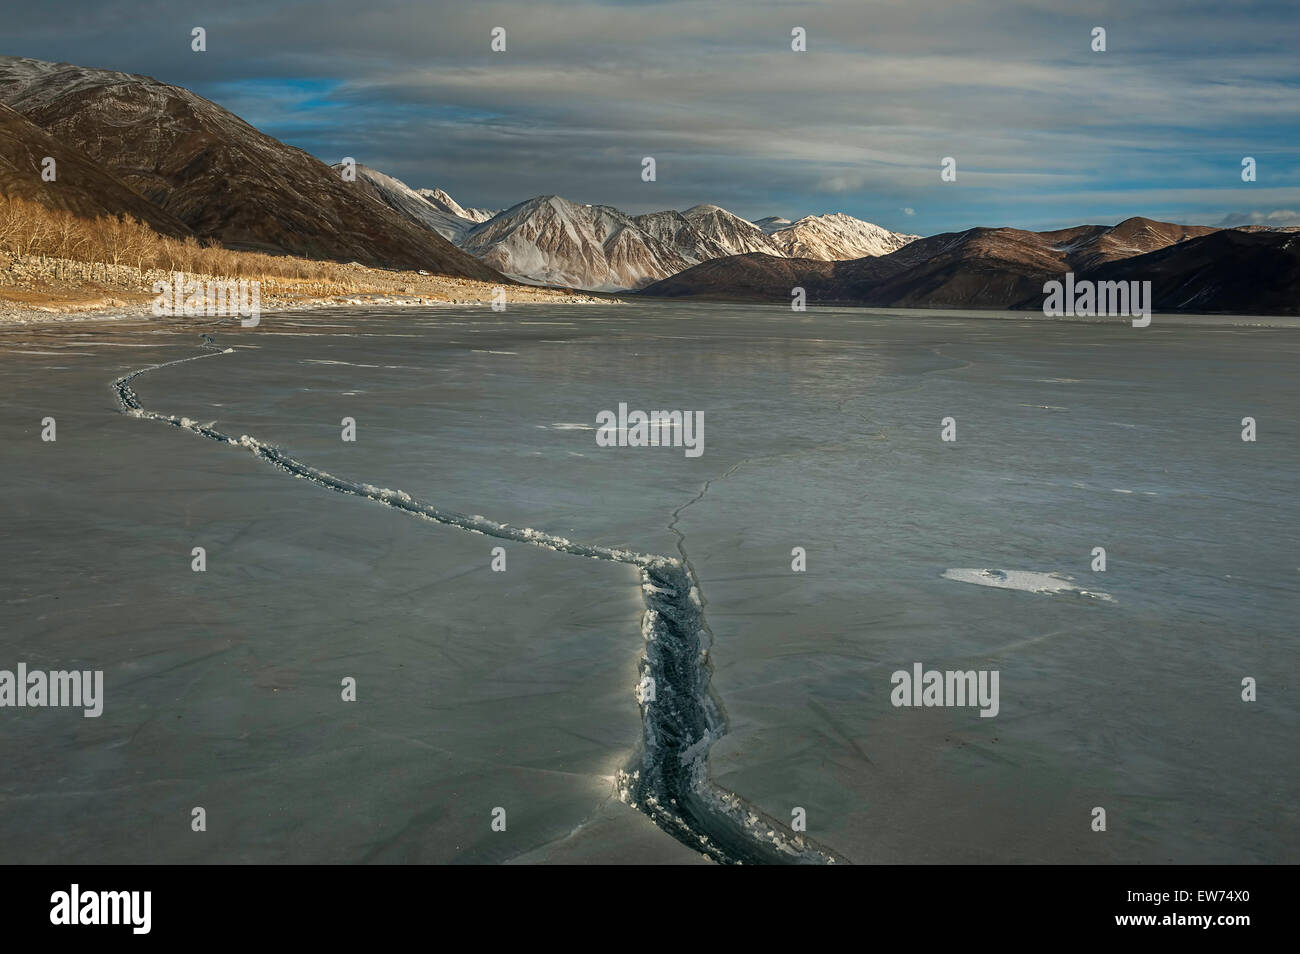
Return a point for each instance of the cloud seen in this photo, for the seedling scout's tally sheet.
(1275, 218)
(1041, 126)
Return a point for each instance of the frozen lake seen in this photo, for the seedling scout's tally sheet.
(518, 690)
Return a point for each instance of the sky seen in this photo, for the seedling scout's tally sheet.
(1045, 131)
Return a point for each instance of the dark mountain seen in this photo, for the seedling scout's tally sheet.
(983, 268)
(1088, 246)
(217, 174)
(752, 277)
(978, 268)
(82, 187)
(1231, 270)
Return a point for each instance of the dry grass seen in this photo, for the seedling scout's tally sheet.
(29, 228)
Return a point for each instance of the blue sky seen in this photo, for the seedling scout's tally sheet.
(1046, 132)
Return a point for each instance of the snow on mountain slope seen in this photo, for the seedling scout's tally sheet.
(836, 237)
(404, 200)
(730, 231)
(674, 229)
(431, 208)
(445, 203)
(550, 240)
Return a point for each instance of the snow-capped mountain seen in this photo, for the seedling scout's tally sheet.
(401, 198)
(445, 203)
(834, 237)
(553, 241)
(731, 232)
(674, 229)
(550, 240)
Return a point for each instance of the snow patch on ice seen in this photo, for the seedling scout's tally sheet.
(1028, 581)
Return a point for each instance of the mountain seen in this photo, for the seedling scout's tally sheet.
(551, 240)
(554, 241)
(445, 203)
(1228, 270)
(729, 231)
(977, 268)
(752, 277)
(772, 223)
(216, 173)
(1096, 244)
(999, 267)
(405, 201)
(835, 237)
(674, 229)
(80, 186)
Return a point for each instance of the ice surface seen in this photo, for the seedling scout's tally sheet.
(517, 689)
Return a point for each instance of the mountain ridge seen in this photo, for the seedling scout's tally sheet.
(1190, 267)
(217, 174)
(81, 186)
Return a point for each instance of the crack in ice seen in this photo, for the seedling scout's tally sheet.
(669, 780)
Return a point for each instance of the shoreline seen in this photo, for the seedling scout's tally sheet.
(46, 315)
(37, 290)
